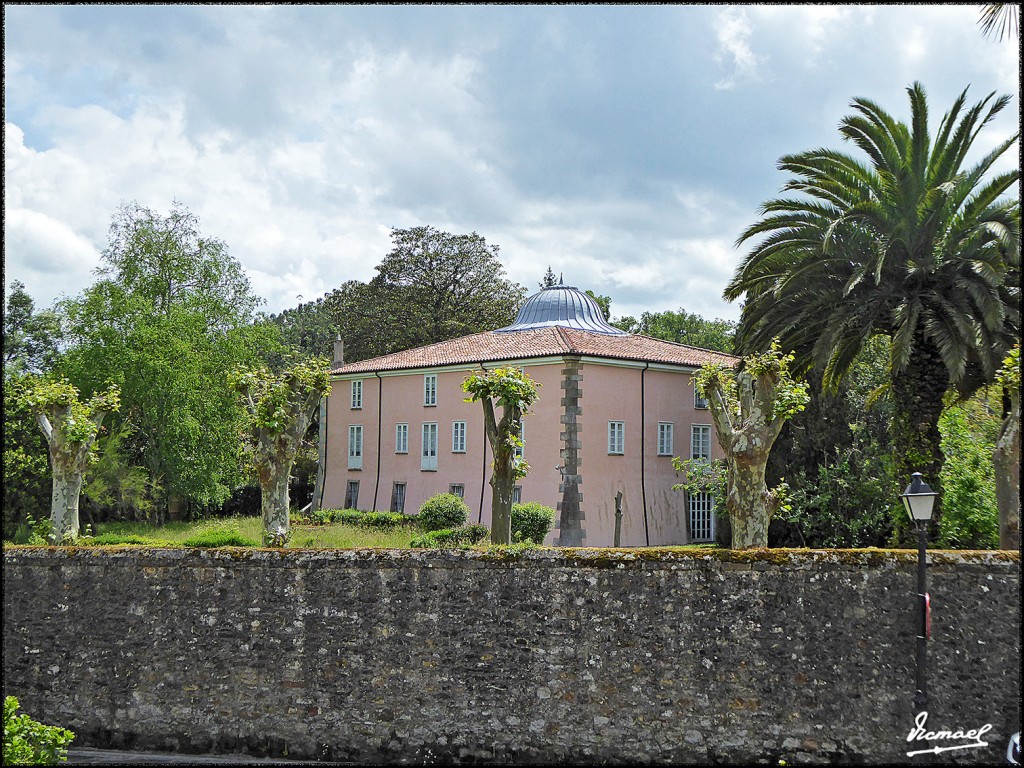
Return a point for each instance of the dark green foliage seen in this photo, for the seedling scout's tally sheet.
(219, 537)
(104, 539)
(27, 742)
(444, 510)
(445, 538)
(531, 520)
(380, 520)
(682, 327)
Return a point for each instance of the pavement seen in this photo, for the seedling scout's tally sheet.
(89, 756)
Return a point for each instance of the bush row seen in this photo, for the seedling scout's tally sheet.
(464, 535)
(355, 517)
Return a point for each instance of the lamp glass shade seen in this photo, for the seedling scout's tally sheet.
(918, 498)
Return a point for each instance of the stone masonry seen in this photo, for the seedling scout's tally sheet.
(570, 531)
(566, 656)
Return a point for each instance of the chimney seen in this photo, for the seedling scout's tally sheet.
(339, 352)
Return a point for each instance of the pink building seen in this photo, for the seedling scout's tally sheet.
(614, 408)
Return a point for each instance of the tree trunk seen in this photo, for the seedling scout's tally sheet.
(1006, 458)
(917, 394)
(748, 502)
(67, 489)
(175, 508)
(501, 508)
(275, 505)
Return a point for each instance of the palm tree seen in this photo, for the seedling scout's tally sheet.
(909, 244)
(1001, 18)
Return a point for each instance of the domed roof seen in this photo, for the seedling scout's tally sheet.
(561, 305)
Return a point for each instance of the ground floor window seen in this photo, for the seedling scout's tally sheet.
(458, 489)
(517, 494)
(352, 494)
(702, 517)
(398, 497)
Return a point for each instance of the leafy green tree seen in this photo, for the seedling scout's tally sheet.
(549, 280)
(31, 338)
(279, 409)
(682, 327)
(432, 286)
(1006, 453)
(170, 313)
(748, 409)
(513, 391)
(27, 478)
(969, 430)
(70, 428)
(911, 244)
(604, 302)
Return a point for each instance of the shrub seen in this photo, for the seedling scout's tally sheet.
(383, 519)
(445, 510)
(219, 537)
(531, 520)
(27, 742)
(451, 537)
(118, 538)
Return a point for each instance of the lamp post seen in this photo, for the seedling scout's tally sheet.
(919, 499)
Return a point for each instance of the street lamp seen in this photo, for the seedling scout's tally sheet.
(919, 499)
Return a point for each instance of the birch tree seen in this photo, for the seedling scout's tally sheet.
(70, 428)
(1006, 455)
(279, 409)
(749, 408)
(514, 391)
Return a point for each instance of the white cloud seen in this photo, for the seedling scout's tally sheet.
(733, 30)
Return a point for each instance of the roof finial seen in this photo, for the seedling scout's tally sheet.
(561, 278)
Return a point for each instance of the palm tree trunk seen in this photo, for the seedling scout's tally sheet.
(917, 394)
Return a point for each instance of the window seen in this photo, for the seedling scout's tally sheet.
(428, 456)
(458, 489)
(352, 494)
(616, 437)
(458, 437)
(401, 438)
(702, 517)
(398, 497)
(522, 439)
(700, 441)
(517, 494)
(666, 430)
(355, 447)
(357, 393)
(698, 401)
(430, 389)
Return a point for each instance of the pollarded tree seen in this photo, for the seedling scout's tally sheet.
(70, 428)
(912, 244)
(749, 408)
(514, 391)
(279, 408)
(1007, 455)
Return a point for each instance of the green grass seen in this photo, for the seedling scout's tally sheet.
(334, 536)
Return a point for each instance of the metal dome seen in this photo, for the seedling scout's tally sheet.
(561, 305)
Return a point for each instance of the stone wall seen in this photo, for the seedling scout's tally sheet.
(557, 656)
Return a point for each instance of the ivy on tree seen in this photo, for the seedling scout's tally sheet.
(748, 409)
(1006, 455)
(513, 391)
(70, 428)
(278, 410)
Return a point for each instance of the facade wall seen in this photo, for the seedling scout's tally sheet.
(640, 397)
(560, 657)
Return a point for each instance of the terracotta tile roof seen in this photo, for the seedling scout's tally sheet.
(541, 342)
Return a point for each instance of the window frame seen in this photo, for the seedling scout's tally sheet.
(429, 390)
(356, 394)
(461, 492)
(616, 433)
(666, 447)
(458, 436)
(704, 429)
(428, 461)
(355, 446)
(402, 437)
(398, 498)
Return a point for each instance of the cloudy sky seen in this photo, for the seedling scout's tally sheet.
(624, 146)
